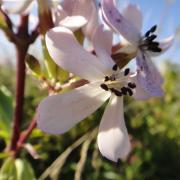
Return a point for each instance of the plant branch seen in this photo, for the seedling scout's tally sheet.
(24, 135)
(21, 43)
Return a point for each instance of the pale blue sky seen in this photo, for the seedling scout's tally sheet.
(160, 12)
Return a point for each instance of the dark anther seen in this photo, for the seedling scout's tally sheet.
(132, 85)
(153, 29)
(151, 38)
(154, 44)
(126, 71)
(155, 49)
(115, 67)
(116, 92)
(124, 90)
(106, 78)
(129, 91)
(147, 33)
(105, 87)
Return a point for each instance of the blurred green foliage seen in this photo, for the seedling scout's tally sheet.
(153, 127)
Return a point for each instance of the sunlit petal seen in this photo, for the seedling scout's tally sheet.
(73, 22)
(133, 14)
(115, 20)
(113, 140)
(69, 54)
(58, 113)
(102, 42)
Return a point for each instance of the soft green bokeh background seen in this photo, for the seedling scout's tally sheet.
(153, 127)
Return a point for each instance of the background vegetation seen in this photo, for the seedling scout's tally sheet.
(153, 127)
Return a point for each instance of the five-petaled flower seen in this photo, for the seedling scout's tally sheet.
(58, 113)
(129, 26)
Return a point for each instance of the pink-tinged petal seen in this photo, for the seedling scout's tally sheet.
(133, 14)
(93, 21)
(70, 55)
(16, 7)
(68, 6)
(139, 92)
(73, 22)
(115, 20)
(148, 75)
(102, 42)
(113, 140)
(164, 45)
(58, 14)
(58, 113)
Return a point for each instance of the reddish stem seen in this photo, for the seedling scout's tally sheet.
(20, 81)
(22, 43)
(24, 135)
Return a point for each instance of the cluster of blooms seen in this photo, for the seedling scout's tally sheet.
(58, 113)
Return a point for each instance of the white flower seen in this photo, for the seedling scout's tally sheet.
(129, 26)
(75, 14)
(58, 113)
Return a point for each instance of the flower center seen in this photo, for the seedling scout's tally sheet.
(148, 43)
(119, 82)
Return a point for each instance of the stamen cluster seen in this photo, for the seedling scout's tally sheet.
(116, 85)
(148, 43)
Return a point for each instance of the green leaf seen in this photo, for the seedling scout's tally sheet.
(34, 65)
(8, 170)
(6, 111)
(49, 63)
(24, 170)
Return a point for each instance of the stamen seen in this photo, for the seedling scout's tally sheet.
(106, 78)
(126, 71)
(124, 90)
(151, 38)
(155, 49)
(116, 92)
(115, 67)
(129, 91)
(147, 33)
(105, 87)
(153, 29)
(132, 85)
(153, 44)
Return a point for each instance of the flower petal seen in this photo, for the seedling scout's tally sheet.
(164, 45)
(113, 140)
(68, 6)
(148, 75)
(58, 14)
(89, 10)
(73, 22)
(133, 14)
(102, 42)
(16, 7)
(139, 92)
(115, 20)
(69, 54)
(58, 113)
